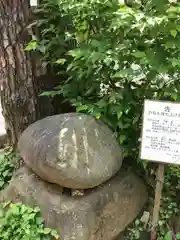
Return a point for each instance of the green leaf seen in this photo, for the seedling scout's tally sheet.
(175, 62)
(2, 182)
(82, 108)
(121, 74)
(54, 234)
(31, 46)
(44, 94)
(168, 236)
(39, 220)
(46, 230)
(145, 164)
(122, 138)
(5, 173)
(60, 61)
(137, 222)
(6, 204)
(36, 209)
(169, 44)
(173, 32)
(139, 54)
(174, 96)
(51, 93)
(119, 114)
(98, 115)
(15, 209)
(178, 235)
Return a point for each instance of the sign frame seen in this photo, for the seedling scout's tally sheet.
(33, 3)
(141, 134)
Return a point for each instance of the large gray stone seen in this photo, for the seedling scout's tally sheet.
(72, 150)
(101, 214)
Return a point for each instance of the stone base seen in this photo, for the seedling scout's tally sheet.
(101, 214)
(120, 236)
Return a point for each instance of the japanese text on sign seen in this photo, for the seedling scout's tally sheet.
(161, 132)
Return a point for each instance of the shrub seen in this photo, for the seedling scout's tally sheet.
(120, 55)
(20, 222)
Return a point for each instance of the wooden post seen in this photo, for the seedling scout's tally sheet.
(157, 201)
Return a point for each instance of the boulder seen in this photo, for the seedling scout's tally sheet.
(102, 213)
(72, 150)
(120, 236)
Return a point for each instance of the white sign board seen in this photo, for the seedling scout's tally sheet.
(33, 3)
(161, 132)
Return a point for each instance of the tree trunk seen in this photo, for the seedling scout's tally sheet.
(19, 70)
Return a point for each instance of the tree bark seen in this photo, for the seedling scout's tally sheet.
(19, 70)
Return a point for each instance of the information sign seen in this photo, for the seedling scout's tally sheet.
(161, 132)
(33, 3)
(160, 142)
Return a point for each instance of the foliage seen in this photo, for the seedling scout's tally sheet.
(51, 41)
(7, 163)
(168, 212)
(135, 232)
(19, 222)
(120, 55)
(170, 203)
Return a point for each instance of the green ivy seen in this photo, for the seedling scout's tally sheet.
(7, 164)
(17, 221)
(20, 222)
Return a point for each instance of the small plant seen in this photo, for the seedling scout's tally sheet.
(17, 221)
(7, 163)
(170, 203)
(135, 231)
(168, 211)
(20, 222)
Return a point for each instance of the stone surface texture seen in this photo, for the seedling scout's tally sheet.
(101, 214)
(72, 150)
(120, 236)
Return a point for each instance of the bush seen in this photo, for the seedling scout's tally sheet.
(19, 222)
(120, 55)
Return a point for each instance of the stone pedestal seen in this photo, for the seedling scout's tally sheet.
(101, 214)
